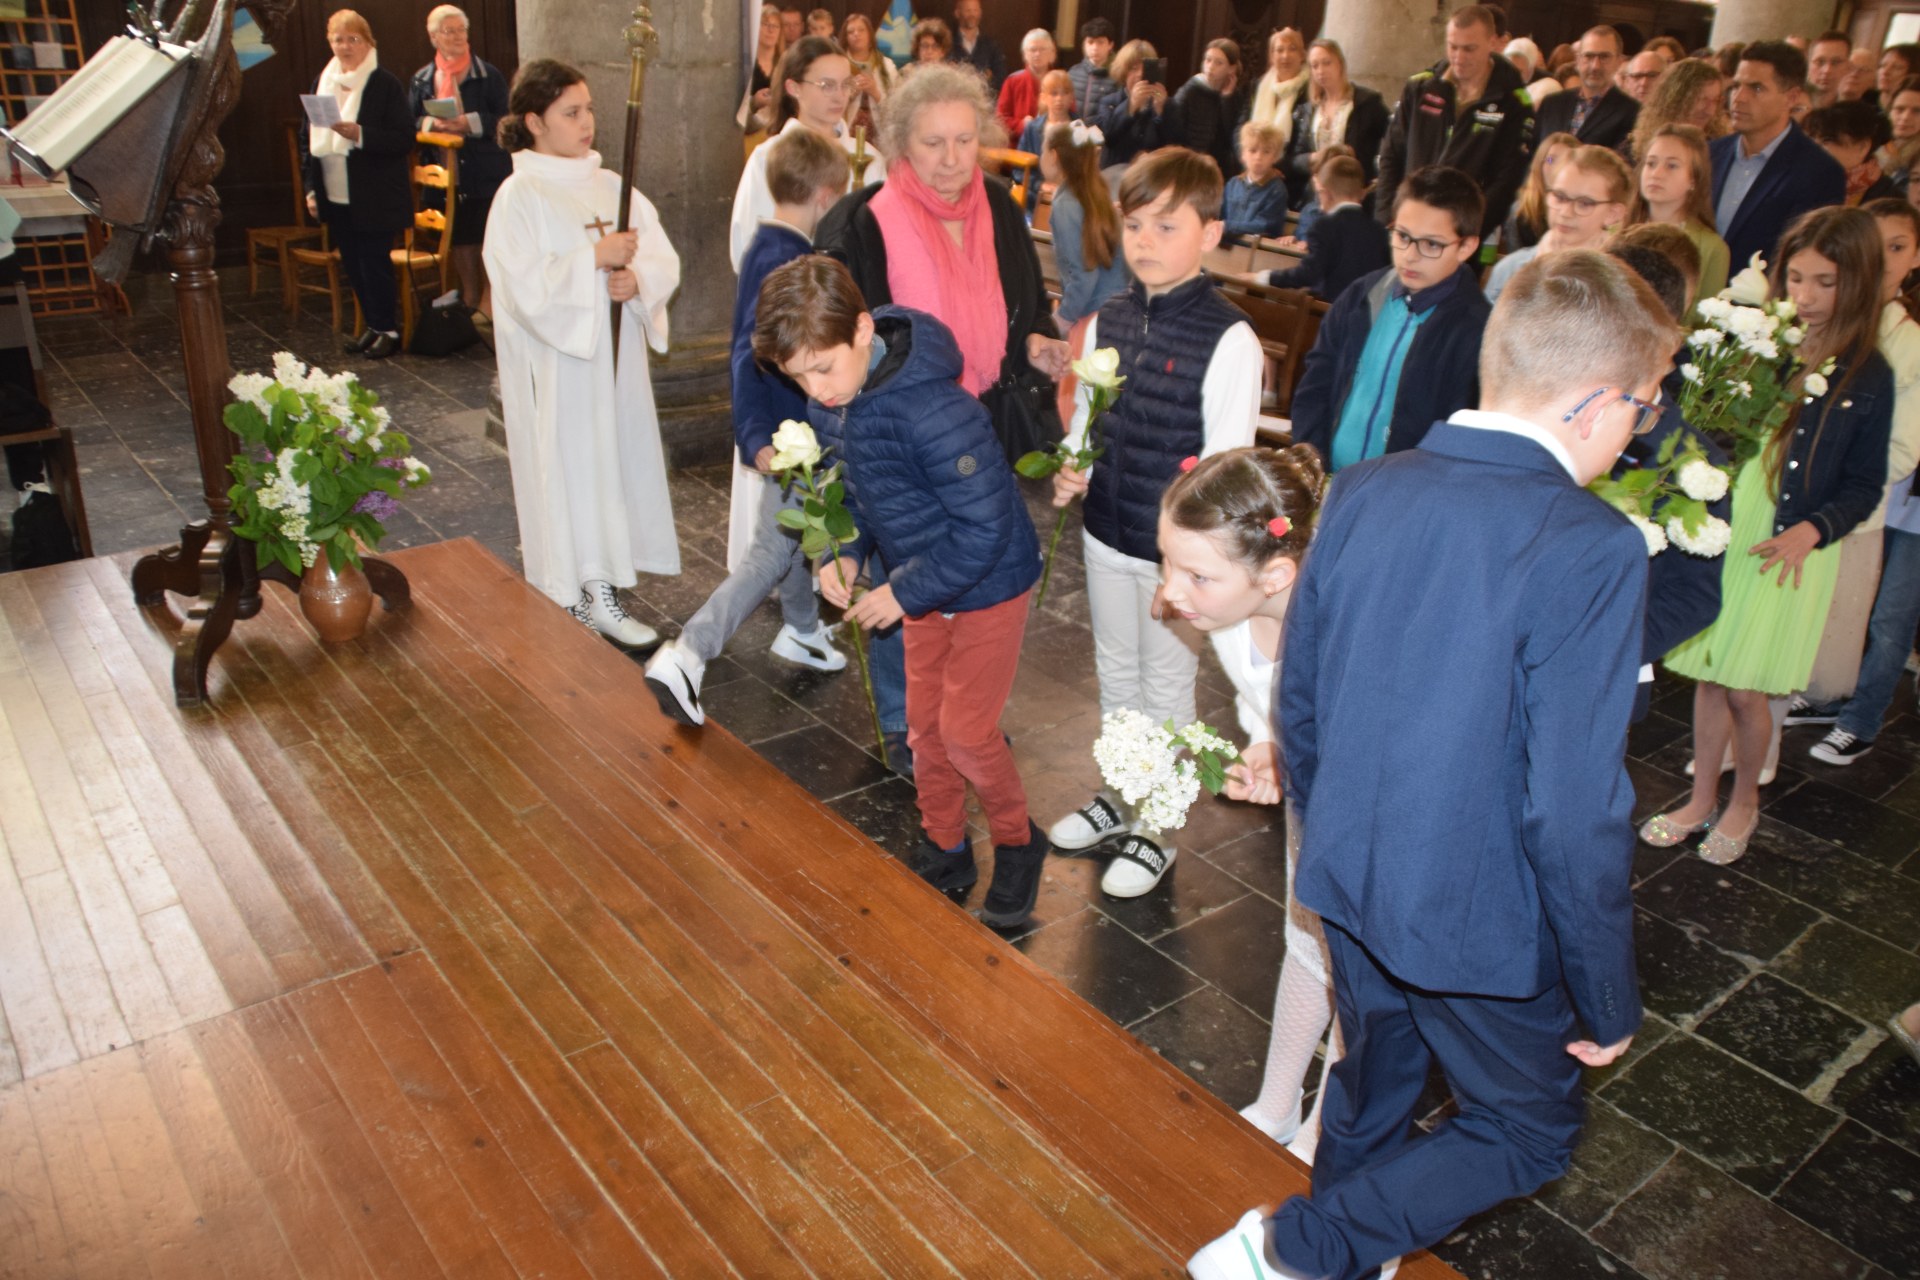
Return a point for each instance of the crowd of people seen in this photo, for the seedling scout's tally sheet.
(1514, 251)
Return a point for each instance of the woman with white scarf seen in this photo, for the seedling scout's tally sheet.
(1280, 88)
(357, 178)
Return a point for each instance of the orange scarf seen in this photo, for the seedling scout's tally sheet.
(448, 75)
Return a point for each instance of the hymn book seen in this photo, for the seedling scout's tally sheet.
(91, 102)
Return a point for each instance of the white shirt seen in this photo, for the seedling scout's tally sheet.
(1229, 393)
(1482, 420)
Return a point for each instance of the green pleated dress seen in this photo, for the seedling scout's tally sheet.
(1766, 635)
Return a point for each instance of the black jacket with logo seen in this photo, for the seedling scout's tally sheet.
(1490, 143)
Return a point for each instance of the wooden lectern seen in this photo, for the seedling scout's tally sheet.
(150, 175)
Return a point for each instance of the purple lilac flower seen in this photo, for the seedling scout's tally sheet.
(378, 504)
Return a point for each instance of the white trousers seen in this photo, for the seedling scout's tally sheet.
(1147, 665)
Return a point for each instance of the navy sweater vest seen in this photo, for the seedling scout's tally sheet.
(1165, 346)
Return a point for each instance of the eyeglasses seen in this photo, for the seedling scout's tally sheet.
(1643, 75)
(345, 40)
(1426, 246)
(831, 86)
(1582, 205)
(1645, 414)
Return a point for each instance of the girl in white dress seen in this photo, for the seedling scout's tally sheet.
(1233, 529)
(589, 475)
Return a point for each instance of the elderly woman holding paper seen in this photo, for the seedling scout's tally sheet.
(460, 95)
(358, 139)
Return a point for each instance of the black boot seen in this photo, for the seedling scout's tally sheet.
(1016, 881)
(953, 874)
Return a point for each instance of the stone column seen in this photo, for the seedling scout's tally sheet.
(690, 161)
(1748, 20)
(1388, 40)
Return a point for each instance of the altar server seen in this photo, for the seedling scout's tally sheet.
(589, 475)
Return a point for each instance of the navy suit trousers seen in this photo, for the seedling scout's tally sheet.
(1381, 1187)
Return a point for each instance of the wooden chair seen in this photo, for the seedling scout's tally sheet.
(1279, 318)
(1012, 165)
(270, 246)
(1043, 211)
(428, 245)
(326, 261)
(1049, 266)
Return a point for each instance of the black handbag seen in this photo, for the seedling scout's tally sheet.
(1025, 413)
(441, 331)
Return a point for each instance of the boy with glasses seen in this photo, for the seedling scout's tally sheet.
(1400, 350)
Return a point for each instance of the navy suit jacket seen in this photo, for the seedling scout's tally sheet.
(1342, 246)
(1608, 124)
(1800, 177)
(1461, 656)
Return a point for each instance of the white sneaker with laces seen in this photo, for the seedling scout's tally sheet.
(582, 610)
(674, 677)
(1099, 820)
(813, 649)
(613, 621)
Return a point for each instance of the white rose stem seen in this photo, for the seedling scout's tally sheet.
(856, 633)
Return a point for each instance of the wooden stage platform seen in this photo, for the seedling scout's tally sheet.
(444, 953)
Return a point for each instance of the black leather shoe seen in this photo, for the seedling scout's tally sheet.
(359, 344)
(1016, 881)
(953, 874)
(382, 346)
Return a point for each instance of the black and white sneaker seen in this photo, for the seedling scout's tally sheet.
(1839, 747)
(809, 649)
(1802, 711)
(675, 678)
(1137, 868)
(1101, 819)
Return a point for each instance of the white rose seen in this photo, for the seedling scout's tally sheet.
(1793, 335)
(1706, 339)
(1656, 540)
(1712, 540)
(1100, 369)
(1690, 371)
(1816, 384)
(1785, 309)
(1749, 288)
(794, 446)
(1702, 480)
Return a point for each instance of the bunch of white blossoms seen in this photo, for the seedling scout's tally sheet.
(1142, 761)
(1702, 480)
(291, 501)
(1712, 539)
(1656, 536)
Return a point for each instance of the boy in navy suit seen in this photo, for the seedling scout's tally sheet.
(1344, 243)
(1466, 839)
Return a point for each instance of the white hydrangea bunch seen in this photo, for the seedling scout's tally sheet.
(1656, 536)
(1713, 538)
(1146, 763)
(1700, 479)
(291, 502)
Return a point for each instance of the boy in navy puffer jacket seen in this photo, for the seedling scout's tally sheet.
(933, 497)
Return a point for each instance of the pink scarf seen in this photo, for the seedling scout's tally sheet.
(448, 75)
(959, 284)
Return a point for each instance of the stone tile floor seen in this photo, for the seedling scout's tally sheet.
(1764, 1125)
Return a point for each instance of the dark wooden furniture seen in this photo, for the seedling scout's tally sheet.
(54, 441)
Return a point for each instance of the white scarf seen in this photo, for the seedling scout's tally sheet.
(345, 86)
(1273, 100)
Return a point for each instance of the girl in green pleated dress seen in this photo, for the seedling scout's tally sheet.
(1820, 475)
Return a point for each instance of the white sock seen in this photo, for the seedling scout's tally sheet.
(1307, 1141)
(1302, 1008)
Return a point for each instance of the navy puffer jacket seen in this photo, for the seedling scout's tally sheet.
(927, 482)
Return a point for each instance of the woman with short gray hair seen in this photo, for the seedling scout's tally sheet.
(942, 237)
(460, 95)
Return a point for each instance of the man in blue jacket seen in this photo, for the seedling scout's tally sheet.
(1767, 172)
(1461, 656)
(1400, 348)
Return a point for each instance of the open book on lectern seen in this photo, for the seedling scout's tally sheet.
(92, 101)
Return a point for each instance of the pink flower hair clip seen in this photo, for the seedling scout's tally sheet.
(1188, 463)
(1279, 526)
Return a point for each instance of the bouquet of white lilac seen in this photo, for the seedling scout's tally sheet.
(1668, 501)
(1146, 764)
(1745, 375)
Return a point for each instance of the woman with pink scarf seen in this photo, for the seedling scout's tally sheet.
(460, 95)
(941, 236)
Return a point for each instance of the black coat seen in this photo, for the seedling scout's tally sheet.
(1490, 143)
(986, 59)
(851, 233)
(1366, 126)
(1209, 123)
(483, 92)
(379, 175)
(1835, 471)
(1608, 125)
(1342, 246)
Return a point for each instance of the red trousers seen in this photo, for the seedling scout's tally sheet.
(959, 673)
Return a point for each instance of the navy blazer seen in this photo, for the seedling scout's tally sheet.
(1801, 176)
(763, 398)
(1462, 652)
(1342, 246)
(1608, 124)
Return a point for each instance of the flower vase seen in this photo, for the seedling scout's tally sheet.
(335, 601)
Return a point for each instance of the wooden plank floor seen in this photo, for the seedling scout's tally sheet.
(443, 953)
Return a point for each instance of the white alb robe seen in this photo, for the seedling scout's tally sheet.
(589, 475)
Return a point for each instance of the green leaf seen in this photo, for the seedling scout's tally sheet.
(790, 518)
(815, 508)
(1037, 465)
(834, 494)
(813, 542)
(840, 524)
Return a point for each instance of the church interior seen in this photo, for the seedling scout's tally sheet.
(442, 951)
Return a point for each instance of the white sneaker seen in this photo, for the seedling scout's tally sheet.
(612, 621)
(674, 676)
(1244, 1253)
(582, 609)
(814, 649)
(1137, 868)
(1099, 820)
